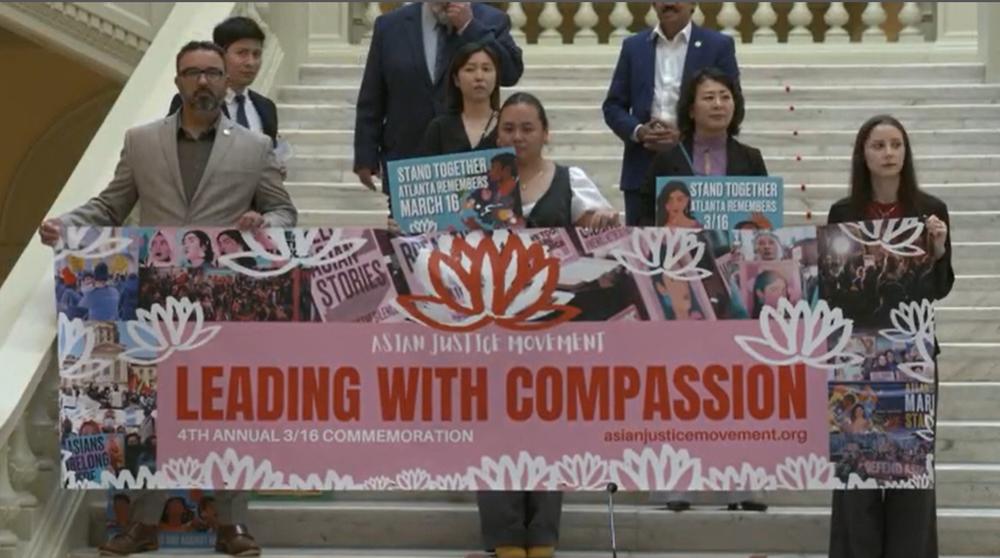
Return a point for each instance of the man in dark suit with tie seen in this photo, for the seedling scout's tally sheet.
(403, 88)
(242, 39)
(641, 103)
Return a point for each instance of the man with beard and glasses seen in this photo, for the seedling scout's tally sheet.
(404, 83)
(641, 105)
(193, 168)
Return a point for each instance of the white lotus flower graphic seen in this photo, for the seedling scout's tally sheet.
(309, 250)
(747, 477)
(798, 333)
(583, 472)
(672, 252)
(313, 482)
(506, 473)
(241, 473)
(379, 483)
(668, 469)
(164, 330)
(897, 236)
(806, 473)
(913, 323)
(927, 432)
(90, 243)
(413, 479)
(186, 472)
(452, 482)
(74, 333)
(423, 226)
(855, 482)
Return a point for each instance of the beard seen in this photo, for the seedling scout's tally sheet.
(205, 100)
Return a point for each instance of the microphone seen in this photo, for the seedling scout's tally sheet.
(611, 489)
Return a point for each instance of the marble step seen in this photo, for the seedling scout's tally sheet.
(594, 93)
(969, 362)
(410, 553)
(751, 74)
(776, 116)
(639, 528)
(600, 141)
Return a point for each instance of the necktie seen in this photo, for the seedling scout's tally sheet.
(441, 58)
(241, 111)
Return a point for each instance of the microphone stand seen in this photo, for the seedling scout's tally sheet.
(611, 489)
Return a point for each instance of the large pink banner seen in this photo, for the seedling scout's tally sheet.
(559, 359)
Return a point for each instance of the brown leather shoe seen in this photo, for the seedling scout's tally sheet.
(235, 540)
(135, 539)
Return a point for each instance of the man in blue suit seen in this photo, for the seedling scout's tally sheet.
(642, 101)
(404, 85)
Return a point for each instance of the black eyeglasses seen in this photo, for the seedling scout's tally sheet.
(211, 74)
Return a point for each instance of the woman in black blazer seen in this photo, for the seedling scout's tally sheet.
(709, 114)
(473, 101)
(891, 523)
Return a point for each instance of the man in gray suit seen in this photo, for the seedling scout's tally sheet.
(195, 167)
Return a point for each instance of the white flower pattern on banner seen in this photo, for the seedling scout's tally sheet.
(913, 323)
(508, 473)
(71, 334)
(168, 327)
(896, 236)
(73, 242)
(746, 477)
(423, 226)
(284, 258)
(583, 472)
(799, 334)
(927, 432)
(671, 252)
(666, 469)
(806, 473)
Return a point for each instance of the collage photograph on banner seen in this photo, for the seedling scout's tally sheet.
(766, 357)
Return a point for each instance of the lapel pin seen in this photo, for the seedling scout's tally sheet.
(226, 132)
(697, 44)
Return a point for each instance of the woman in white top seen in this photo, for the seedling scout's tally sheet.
(551, 195)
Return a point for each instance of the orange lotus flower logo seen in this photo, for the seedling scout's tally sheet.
(488, 279)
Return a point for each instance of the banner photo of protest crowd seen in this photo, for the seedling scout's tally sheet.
(523, 359)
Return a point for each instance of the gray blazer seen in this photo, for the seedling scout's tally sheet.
(242, 175)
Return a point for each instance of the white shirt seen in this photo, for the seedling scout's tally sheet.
(669, 72)
(586, 196)
(253, 118)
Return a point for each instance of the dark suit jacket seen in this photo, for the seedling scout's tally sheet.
(741, 160)
(265, 108)
(397, 99)
(630, 96)
(942, 275)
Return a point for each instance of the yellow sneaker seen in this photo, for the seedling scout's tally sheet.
(511, 552)
(541, 551)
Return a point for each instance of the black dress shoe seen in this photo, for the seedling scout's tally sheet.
(750, 505)
(678, 505)
(733, 507)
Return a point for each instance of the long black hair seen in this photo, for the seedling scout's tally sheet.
(455, 101)
(689, 93)
(861, 175)
(661, 200)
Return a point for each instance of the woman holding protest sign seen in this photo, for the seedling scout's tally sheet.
(891, 523)
(709, 114)
(552, 195)
(473, 102)
(526, 524)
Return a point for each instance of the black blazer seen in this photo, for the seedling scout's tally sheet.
(741, 160)
(265, 108)
(446, 135)
(942, 275)
(398, 99)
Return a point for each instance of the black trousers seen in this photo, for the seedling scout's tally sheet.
(884, 524)
(519, 518)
